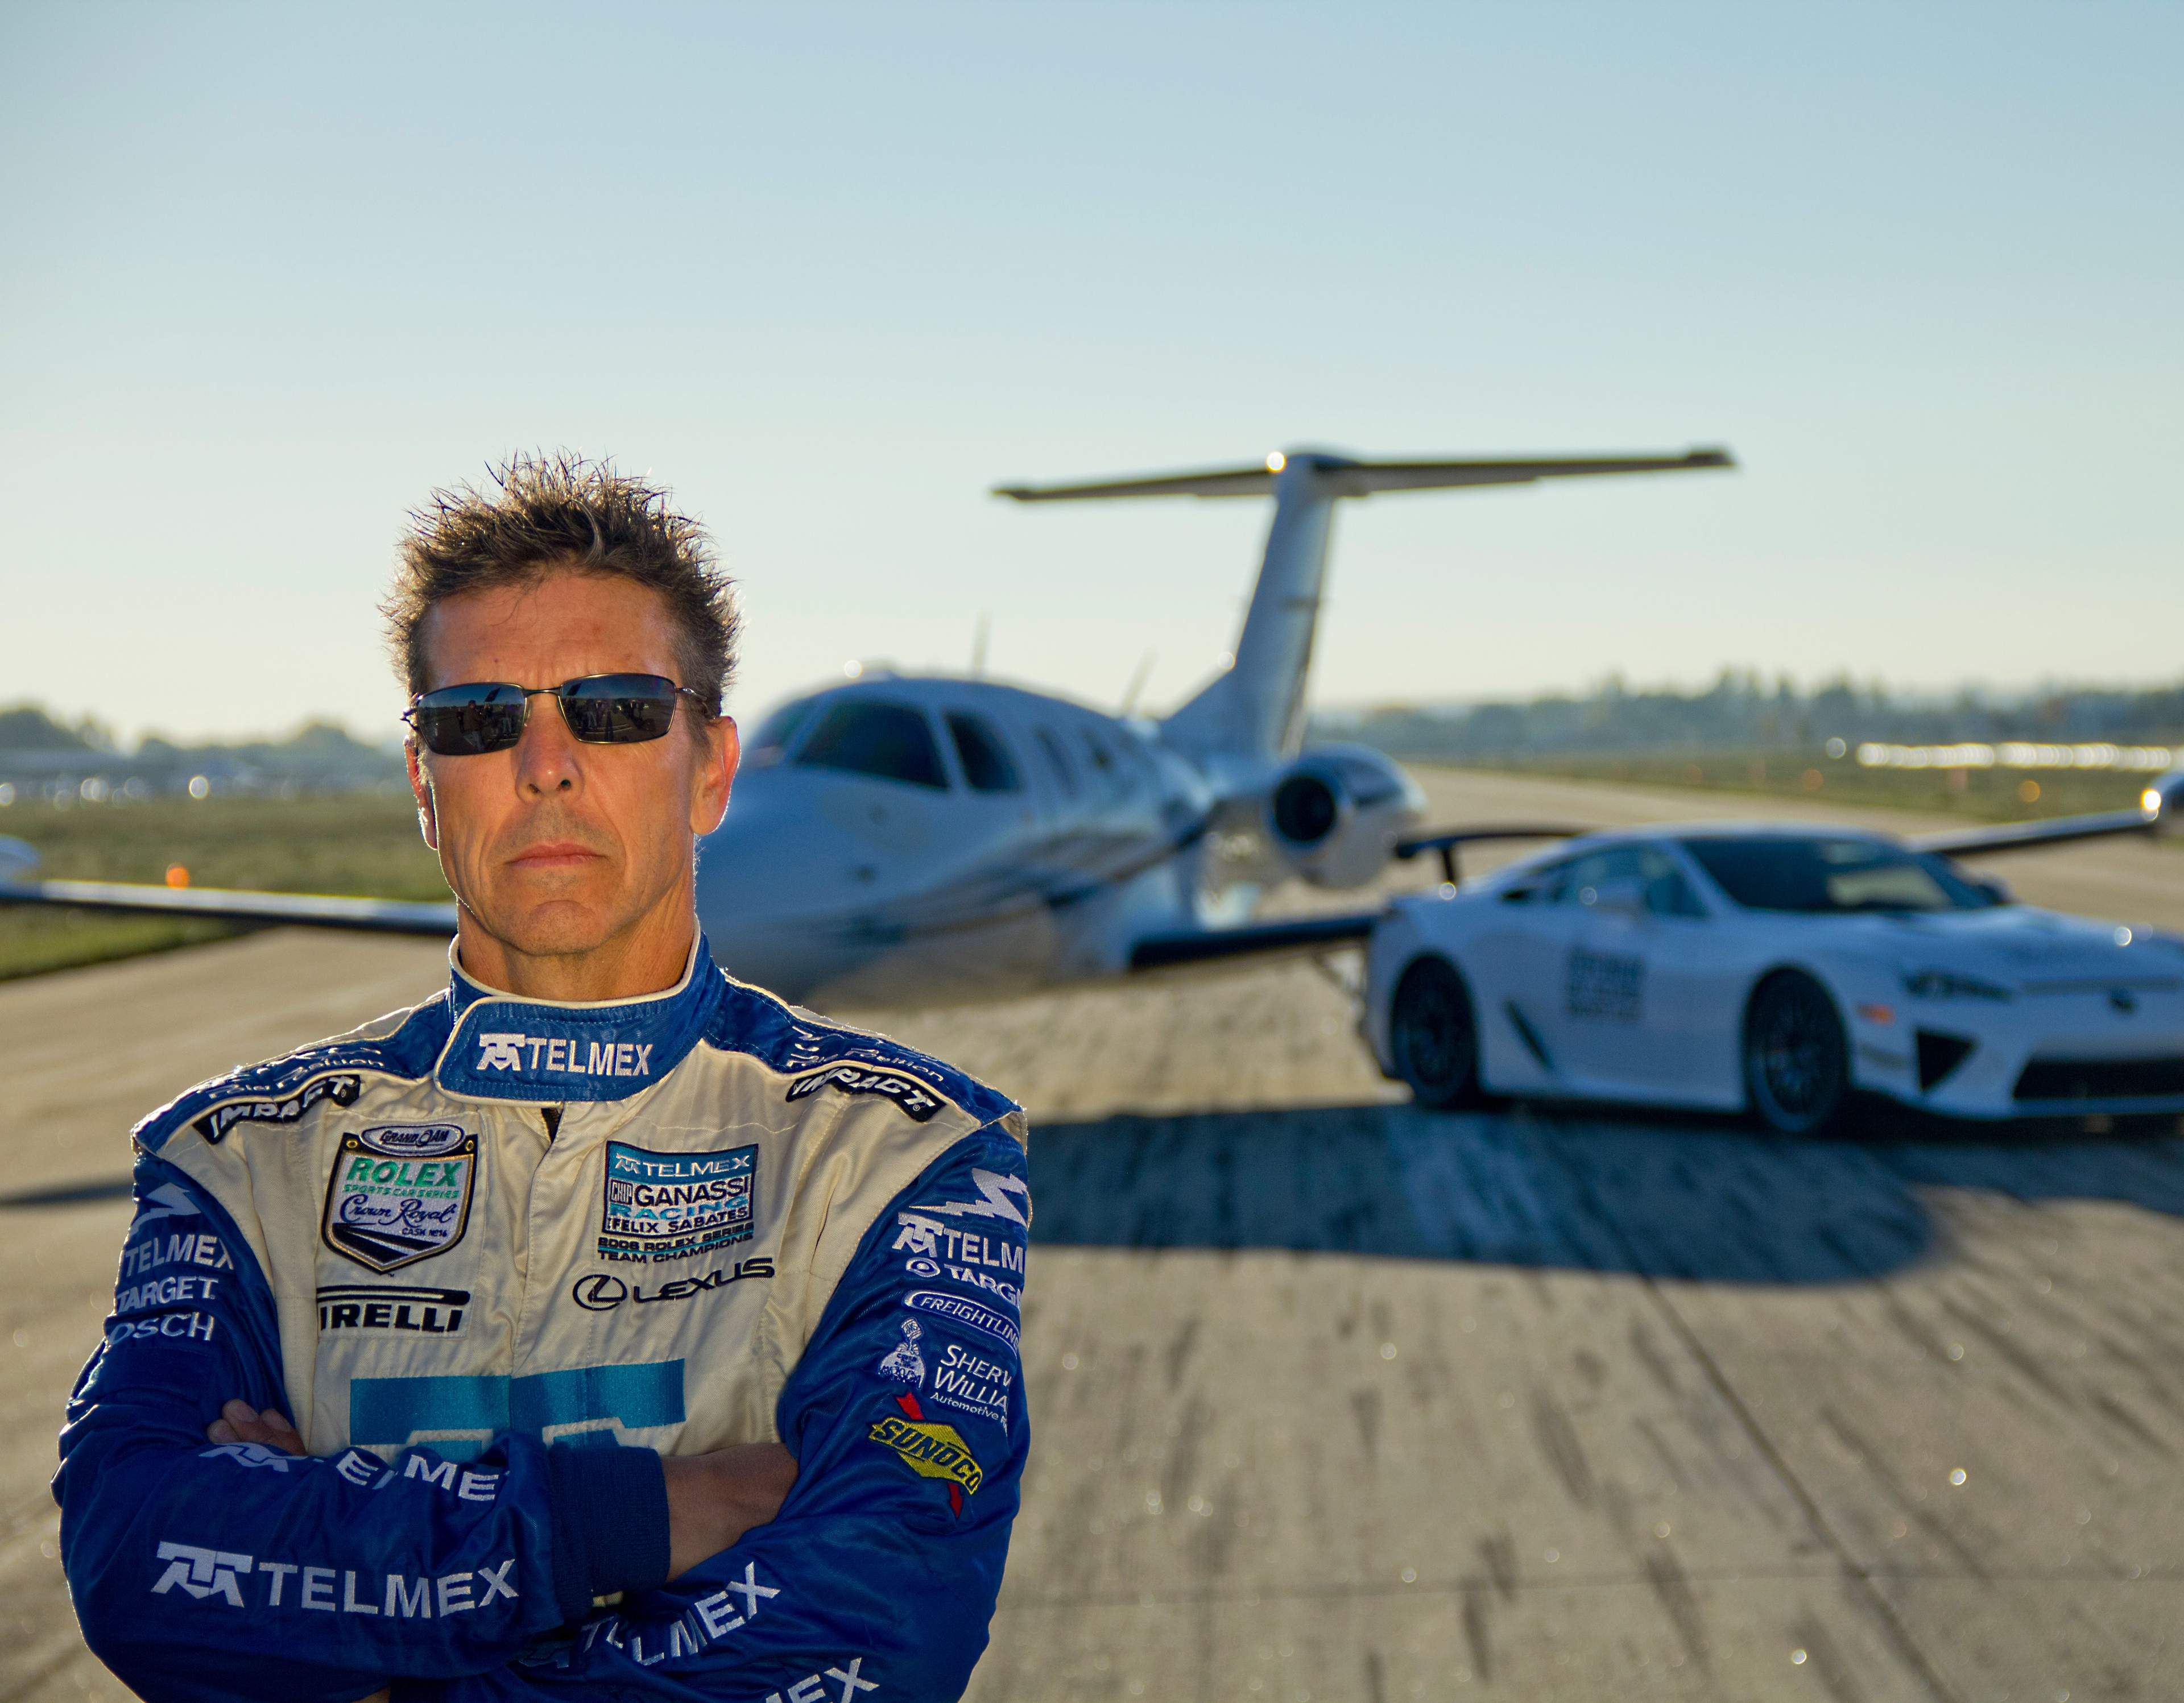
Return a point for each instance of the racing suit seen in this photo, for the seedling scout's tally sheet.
(496, 1257)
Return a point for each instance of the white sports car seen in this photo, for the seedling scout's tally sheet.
(1773, 969)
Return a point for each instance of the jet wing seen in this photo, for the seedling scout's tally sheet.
(1446, 840)
(2023, 836)
(228, 904)
(1252, 940)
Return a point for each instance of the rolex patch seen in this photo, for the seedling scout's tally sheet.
(908, 1093)
(400, 1194)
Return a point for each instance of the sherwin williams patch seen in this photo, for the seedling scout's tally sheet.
(675, 1205)
(390, 1209)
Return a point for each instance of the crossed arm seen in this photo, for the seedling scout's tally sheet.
(867, 1545)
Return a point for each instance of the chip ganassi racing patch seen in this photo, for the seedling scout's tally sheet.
(400, 1194)
(909, 1094)
(675, 1205)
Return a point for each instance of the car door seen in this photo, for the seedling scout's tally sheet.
(1638, 983)
(1513, 962)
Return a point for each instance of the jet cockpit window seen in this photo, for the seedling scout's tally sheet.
(771, 744)
(986, 762)
(892, 742)
(1057, 760)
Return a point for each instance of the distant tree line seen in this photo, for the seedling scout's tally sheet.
(39, 751)
(1741, 711)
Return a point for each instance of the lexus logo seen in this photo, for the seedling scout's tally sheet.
(599, 1293)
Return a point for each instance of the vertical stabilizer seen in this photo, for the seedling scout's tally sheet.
(1256, 709)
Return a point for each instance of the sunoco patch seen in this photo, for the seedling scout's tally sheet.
(387, 1207)
(341, 1090)
(908, 1093)
(675, 1205)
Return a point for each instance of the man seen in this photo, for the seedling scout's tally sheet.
(599, 1275)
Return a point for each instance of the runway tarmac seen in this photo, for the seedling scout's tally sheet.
(1332, 1399)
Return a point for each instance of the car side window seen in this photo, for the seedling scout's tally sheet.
(987, 766)
(1667, 892)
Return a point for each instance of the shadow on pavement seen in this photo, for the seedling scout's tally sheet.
(1706, 1200)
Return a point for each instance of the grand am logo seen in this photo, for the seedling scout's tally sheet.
(909, 1094)
(341, 1090)
(387, 1210)
(602, 1292)
(383, 1307)
(564, 1055)
(931, 1450)
(675, 1205)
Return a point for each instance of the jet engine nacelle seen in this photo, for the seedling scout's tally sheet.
(1335, 814)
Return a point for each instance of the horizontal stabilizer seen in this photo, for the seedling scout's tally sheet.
(1340, 475)
(1254, 940)
(226, 905)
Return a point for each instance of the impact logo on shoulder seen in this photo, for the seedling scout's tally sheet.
(341, 1090)
(675, 1205)
(909, 1094)
(400, 1193)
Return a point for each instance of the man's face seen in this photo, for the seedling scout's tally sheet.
(557, 848)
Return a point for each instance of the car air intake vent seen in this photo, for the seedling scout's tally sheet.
(2084, 1079)
(1938, 1055)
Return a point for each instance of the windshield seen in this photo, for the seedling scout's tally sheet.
(890, 741)
(1827, 873)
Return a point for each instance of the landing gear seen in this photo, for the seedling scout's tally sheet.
(1797, 1063)
(1433, 1037)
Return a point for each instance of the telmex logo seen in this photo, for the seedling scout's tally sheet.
(563, 1056)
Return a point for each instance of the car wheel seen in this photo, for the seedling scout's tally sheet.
(1432, 1036)
(1796, 1064)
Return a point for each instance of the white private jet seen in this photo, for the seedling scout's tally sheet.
(925, 840)
(919, 841)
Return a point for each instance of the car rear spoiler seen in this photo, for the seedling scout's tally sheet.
(1446, 840)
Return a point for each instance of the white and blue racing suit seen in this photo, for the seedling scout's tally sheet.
(498, 1256)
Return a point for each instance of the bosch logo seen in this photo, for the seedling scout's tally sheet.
(600, 1294)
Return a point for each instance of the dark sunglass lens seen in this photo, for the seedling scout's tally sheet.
(469, 721)
(619, 709)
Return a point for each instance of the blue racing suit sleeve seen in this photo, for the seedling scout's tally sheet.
(876, 1581)
(218, 1573)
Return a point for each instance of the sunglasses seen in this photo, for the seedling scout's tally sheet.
(600, 709)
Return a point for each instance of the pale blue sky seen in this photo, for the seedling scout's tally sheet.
(269, 275)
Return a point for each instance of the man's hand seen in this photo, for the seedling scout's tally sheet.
(713, 1499)
(241, 1423)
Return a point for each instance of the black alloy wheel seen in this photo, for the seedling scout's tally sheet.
(1433, 1037)
(1797, 1063)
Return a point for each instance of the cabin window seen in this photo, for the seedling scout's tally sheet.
(1057, 760)
(892, 742)
(986, 763)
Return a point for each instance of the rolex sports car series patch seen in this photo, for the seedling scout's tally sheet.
(400, 1193)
